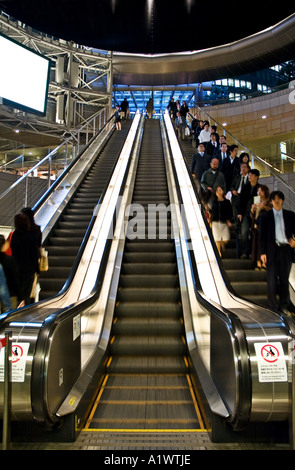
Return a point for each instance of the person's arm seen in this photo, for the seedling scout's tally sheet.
(204, 183)
(262, 239)
(291, 239)
(193, 164)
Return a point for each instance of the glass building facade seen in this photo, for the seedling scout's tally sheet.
(209, 93)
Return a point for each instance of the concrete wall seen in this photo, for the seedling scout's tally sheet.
(244, 119)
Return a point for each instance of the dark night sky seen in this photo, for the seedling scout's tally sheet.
(124, 25)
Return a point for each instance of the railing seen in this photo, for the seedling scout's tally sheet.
(275, 180)
(6, 344)
(29, 188)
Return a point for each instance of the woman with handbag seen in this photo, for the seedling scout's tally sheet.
(26, 251)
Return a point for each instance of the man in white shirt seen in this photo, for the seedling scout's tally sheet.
(205, 134)
(277, 231)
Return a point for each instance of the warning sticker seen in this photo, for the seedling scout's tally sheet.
(18, 360)
(271, 362)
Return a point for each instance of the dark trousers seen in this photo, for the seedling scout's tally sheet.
(246, 234)
(27, 284)
(278, 278)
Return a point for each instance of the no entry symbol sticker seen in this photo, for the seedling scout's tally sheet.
(270, 353)
(271, 362)
(17, 353)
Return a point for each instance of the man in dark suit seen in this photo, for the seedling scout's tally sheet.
(199, 164)
(277, 229)
(231, 166)
(237, 185)
(212, 146)
(248, 192)
(222, 154)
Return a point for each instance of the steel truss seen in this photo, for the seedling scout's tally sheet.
(80, 82)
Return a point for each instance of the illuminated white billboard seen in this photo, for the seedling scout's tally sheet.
(24, 77)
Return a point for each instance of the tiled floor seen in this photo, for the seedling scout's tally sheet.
(106, 441)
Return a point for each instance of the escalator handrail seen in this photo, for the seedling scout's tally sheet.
(86, 236)
(210, 235)
(14, 314)
(40, 410)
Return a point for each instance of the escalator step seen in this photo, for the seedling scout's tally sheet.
(150, 309)
(246, 275)
(142, 324)
(147, 364)
(66, 233)
(143, 249)
(149, 294)
(250, 288)
(56, 272)
(61, 251)
(147, 281)
(66, 241)
(60, 260)
(150, 268)
(154, 345)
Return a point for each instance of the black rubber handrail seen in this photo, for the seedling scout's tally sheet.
(230, 319)
(13, 315)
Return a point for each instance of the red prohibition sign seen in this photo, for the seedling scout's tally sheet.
(270, 353)
(17, 352)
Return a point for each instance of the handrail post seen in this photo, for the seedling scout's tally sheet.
(49, 172)
(7, 392)
(26, 192)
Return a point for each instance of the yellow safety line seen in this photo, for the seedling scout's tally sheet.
(148, 421)
(200, 419)
(118, 374)
(144, 431)
(144, 387)
(146, 402)
(103, 386)
(109, 362)
(96, 402)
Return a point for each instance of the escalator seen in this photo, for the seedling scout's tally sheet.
(159, 326)
(242, 277)
(65, 238)
(147, 383)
